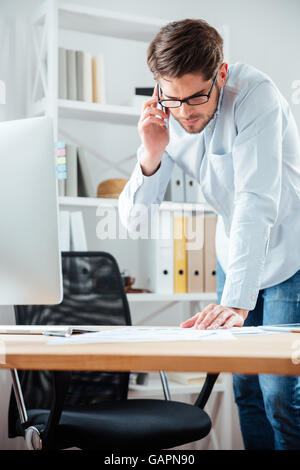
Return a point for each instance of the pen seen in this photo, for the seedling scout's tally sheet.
(70, 331)
(64, 334)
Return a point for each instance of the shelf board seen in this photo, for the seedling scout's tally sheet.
(115, 114)
(87, 201)
(189, 297)
(106, 202)
(90, 20)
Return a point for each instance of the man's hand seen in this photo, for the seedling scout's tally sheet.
(215, 316)
(153, 133)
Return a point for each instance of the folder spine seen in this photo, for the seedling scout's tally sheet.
(180, 256)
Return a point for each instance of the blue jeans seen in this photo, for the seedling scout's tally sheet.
(269, 405)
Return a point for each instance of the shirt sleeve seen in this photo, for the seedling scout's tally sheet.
(141, 191)
(257, 163)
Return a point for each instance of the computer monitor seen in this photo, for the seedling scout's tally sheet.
(30, 262)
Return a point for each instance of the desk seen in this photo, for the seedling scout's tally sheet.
(247, 354)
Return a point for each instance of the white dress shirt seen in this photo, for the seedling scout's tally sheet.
(247, 162)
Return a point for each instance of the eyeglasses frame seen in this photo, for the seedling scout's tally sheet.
(186, 100)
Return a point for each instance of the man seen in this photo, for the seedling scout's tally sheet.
(232, 130)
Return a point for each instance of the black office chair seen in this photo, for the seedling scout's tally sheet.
(90, 410)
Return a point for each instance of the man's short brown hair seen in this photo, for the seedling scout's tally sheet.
(185, 46)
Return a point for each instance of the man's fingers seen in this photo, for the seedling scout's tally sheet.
(151, 102)
(220, 320)
(209, 317)
(213, 317)
(187, 323)
(234, 320)
(227, 319)
(190, 321)
(155, 92)
(205, 312)
(153, 112)
(151, 120)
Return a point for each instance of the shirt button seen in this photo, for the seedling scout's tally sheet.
(252, 297)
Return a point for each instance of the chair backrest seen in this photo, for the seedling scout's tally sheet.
(93, 294)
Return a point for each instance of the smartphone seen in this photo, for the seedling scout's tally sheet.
(162, 107)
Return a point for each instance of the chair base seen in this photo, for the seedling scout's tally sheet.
(33, 438)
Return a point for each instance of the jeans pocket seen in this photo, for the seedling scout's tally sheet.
(286, 291)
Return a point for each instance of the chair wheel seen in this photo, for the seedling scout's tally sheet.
(33, 438)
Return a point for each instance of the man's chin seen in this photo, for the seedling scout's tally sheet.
(193, 128)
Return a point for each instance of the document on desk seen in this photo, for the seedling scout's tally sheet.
(140, 334)
(248, 330)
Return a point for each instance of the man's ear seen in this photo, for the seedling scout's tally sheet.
(223, 70)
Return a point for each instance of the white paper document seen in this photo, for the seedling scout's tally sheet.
(248, 330)
(140, 334)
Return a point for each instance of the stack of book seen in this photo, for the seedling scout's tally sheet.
(76, 175)
(182, 258)
(72, 234)
(81, 76)
(61, 166)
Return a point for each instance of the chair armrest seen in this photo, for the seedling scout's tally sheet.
(205, 392)
(19, 397)
(61, 380)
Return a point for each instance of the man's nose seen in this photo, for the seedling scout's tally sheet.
(184, 110)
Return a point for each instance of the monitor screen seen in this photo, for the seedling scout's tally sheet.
(30, 264)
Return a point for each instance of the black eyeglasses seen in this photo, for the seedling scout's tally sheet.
(193, 101)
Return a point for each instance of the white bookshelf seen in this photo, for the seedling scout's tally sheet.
(48, 20)
(90, 20)
(81, 110)
(189, 297)
(98, 112)
(107, 202)
(51, 17)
